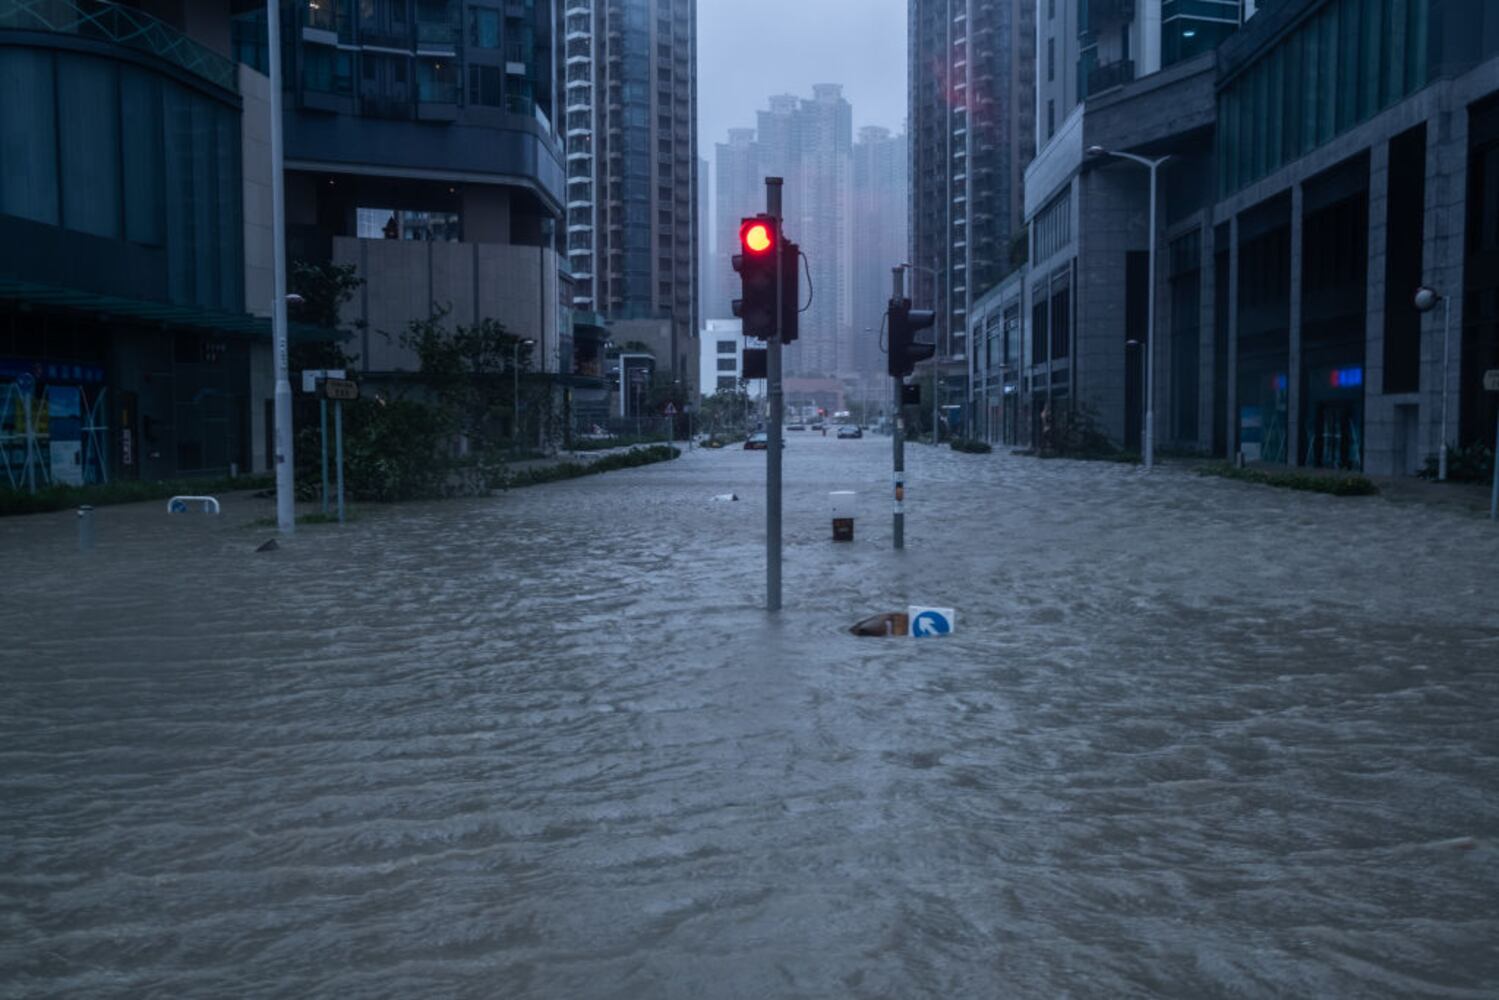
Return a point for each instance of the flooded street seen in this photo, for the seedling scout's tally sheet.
(1192, 738)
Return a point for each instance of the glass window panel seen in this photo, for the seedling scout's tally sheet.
(140, 104)
(88, 112)
(28, 142)
(1371, 65)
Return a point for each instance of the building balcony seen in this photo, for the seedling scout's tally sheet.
(1095, 15)
(112, 23)
(1108, 76)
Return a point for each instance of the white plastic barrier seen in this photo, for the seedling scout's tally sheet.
(178, 505)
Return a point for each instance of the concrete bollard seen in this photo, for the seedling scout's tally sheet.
(842, 503)
(85, 528)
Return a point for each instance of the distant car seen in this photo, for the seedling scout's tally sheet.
(796, 427)
(759, 442)
(850, 431)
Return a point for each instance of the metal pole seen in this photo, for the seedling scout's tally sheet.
(338, 437)
(946, 336)
(898, 435)
(85, 528)
(1446, 351)
(515, 388)
(1494, 491)
(773, 392)
(322, 405)
(1150, 335)
(286, 521)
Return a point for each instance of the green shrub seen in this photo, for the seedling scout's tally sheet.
(1471, 464)
(970, 445)
(1347, 485)
(1073, 431)
(571, 470)
(121, 491)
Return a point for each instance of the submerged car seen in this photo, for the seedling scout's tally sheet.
(850, 431)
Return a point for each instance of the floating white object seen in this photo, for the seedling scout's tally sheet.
(929, 622)
(726, 496)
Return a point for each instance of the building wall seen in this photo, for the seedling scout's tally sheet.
(405, 280)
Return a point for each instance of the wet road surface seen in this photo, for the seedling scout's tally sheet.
(1193, 738)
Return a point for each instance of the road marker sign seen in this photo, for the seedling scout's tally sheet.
(926, 622)
(340, 389)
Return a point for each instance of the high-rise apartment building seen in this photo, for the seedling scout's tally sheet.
(1090, 46)
(808, 142)
(631, 130)
(738, 190)
(881, 236)
(971, 133)
(422, 148)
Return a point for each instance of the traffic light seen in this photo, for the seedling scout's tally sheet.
(791, 293)
(905, 349)
(756, 263)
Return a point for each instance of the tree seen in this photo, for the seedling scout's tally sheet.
(324, 288)
(472, 371)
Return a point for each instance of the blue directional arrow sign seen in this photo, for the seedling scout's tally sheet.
(928, 622)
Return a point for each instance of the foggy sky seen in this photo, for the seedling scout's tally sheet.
(751, 49)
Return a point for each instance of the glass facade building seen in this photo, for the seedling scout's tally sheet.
(1343, 64)
(125, 347)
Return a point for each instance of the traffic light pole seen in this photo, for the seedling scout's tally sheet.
(898, 437)
(773, 395)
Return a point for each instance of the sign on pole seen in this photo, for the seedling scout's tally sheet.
(1491, 380)
(927, 622)
(341, 389)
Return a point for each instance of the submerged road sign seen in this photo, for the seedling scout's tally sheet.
(926, 622)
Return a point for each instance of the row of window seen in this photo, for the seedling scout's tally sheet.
(1343, 65)
(384, 77)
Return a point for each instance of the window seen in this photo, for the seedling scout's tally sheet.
(1051, 59)
(1060, 331)
(1038, 332)
(1051, 118)
(728, 364)
(727, 347)
(1051, 8)
(727, 383)
(327, 70)
(483, 28)
(436, 81)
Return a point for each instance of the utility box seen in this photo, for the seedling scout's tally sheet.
(843, 504)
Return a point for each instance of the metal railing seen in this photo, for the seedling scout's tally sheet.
(122, 26)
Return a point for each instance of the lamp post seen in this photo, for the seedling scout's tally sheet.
(1425, 301)
(286, 519)
(515, 380)
(1153, 165)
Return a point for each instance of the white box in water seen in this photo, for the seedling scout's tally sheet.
(844, 503)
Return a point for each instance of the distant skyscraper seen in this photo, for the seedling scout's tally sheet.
(971, 95)
(808, 143)
(631, 84)
(738, 190)
(881, 234)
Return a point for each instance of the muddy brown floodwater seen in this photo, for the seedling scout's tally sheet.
(1192, 738)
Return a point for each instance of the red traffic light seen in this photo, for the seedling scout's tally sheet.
(756, 237)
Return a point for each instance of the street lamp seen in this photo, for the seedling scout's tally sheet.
(286, 516)
(1150, 337)
(515, 380)
(1425, 301)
